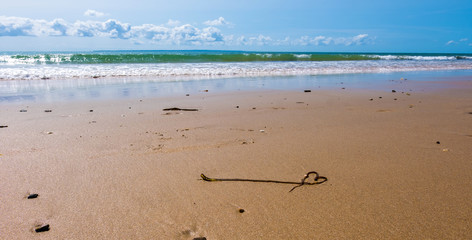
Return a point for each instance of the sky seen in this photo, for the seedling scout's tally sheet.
(417, 26)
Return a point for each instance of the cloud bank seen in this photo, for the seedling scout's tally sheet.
(173, 32)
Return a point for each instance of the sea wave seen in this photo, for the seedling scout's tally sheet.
(133, 58)
(423, 58)
(210, 70)
(138, 57)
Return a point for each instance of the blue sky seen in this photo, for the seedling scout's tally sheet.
(253, 25)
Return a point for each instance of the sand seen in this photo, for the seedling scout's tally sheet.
(398, 165)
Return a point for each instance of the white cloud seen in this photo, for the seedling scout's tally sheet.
(60, 26)
(172, 32)
(217, 22)
(360, 39)
(195, 36)
(173, 23)
(180, 35)
(260, 40)
(462, 41)
(317, 41)
(150, 32)
(110, 28)
(451, 42)
(212, 34)
(184, 33)
(322, 40)
(93, 13)
(116, 29)
(17, 26)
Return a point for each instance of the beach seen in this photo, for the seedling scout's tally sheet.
(397, 163)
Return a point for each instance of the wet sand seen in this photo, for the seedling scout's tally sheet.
(398, 166)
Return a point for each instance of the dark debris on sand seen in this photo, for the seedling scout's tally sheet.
(180, 109)
(43, 228)
(33, 196)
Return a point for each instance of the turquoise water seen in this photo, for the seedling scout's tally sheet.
(185, 65)
(126, 57)
(57, 76)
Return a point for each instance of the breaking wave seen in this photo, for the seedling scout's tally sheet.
(165, 65)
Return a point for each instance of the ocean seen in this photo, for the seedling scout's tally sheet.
(109, 74)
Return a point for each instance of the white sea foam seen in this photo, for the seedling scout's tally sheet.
(8, 60)
(177, 71)
(302, 55)
(419, 58)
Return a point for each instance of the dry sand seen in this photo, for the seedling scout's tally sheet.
(397, 169)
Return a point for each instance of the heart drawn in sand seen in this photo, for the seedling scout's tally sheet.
(313, 178)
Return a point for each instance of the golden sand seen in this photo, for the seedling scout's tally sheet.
(398, 165)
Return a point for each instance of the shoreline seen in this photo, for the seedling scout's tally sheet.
(398, 165)
(99, 89)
